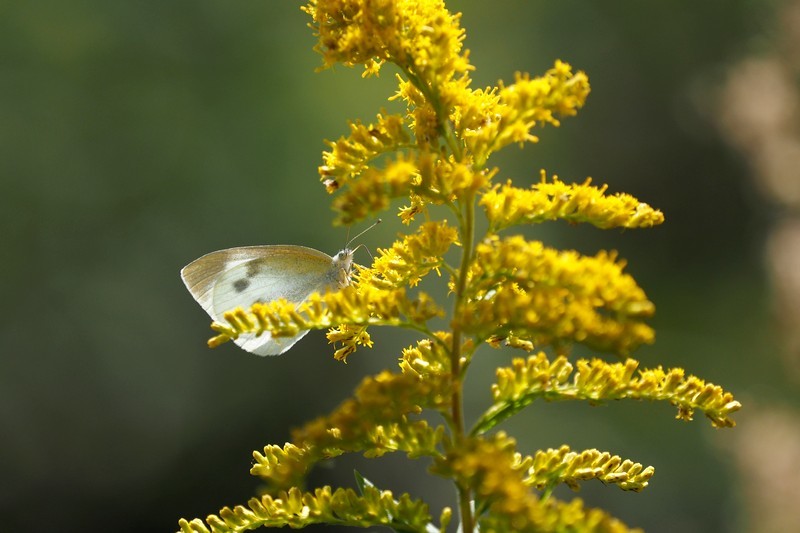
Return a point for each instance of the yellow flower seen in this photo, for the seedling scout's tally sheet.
(498, 118)
(350, 156)
(597, 381)
(523, 289)
(430, 357)
(422, 37)
(491, 468)
(548, 468)
(297, 509)
(508, 205)
(373, 190)
(412, 258)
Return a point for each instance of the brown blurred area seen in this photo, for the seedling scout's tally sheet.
(758, 114)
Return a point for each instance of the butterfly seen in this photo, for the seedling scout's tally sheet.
(239, 277)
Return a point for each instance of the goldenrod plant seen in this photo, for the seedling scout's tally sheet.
(504, 290)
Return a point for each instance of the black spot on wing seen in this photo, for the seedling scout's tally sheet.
(253, 268)
(241, 284)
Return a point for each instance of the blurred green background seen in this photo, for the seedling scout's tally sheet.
(137, 136)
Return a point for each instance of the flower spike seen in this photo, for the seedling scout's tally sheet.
(430, 161)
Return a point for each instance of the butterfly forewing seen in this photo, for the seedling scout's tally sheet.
(291, 273)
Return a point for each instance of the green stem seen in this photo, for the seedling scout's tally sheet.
(468, 230)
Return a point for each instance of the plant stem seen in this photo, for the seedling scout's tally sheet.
(467, 226)
(467, 233)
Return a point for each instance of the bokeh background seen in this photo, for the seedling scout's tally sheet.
(137, 136)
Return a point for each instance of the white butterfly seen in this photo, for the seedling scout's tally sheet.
(239, 277)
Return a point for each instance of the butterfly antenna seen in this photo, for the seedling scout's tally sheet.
(364, 246)
(347, 240)
(378, 221)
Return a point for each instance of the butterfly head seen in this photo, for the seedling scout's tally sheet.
(343, 265)
(343, 260)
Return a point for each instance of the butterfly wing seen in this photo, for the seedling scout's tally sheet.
(239, 277)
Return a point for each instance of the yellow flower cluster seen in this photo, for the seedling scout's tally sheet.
(374, 189)
(444, 181)
(557, 517)
(349, 337)
(283, 467)
(482, 120)
(419, 36)
(412, 258)
(548, 296)
(520, 107)
(298, 509)
(491, 468)
(352, 155)
(375, 421)
(598, 381)
(424, 40)
(430, 357)
(424, 179)
(508, 205)
(548, 468)
(488, 466)
(352, 426)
